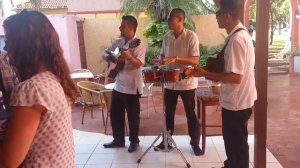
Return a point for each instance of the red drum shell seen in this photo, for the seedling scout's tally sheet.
(171, 75)
(151, 75)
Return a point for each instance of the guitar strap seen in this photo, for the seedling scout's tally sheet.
(221, 54)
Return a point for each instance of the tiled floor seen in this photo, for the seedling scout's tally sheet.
(91, 154)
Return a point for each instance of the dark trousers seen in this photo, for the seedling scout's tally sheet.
(120, 104)
(188, 98)
(235, 135)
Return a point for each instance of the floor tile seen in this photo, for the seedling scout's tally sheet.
(97, 158)
(85, 148)
(81, 158)
(208, 165)
(104, 165)
(119, 165)
(152, 165)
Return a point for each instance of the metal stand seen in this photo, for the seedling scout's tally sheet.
(167, 138)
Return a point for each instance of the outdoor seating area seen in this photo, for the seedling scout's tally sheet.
(151, 126)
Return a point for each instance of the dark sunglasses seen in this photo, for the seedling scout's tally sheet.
(218, 13)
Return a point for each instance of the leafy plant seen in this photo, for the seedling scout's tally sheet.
(152, 52)
(206, 52)
(155, 31)
(296, 51)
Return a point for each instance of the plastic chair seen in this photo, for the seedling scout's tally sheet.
(147, 93)
(89, 92)
(106, 96)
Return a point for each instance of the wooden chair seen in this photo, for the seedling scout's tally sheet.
(204, 99)
(89, 92)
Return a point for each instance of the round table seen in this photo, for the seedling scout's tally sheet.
(110, 86)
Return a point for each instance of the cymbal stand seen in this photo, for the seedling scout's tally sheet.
(167, 138)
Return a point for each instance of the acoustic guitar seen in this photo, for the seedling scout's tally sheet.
(120, 60)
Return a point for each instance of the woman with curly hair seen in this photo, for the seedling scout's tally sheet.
(40, 129)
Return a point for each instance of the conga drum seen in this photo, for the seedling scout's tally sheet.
(151, 75)
(171, 75)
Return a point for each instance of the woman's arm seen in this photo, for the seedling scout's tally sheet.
(22, 128)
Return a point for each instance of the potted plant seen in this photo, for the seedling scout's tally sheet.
(296, 55)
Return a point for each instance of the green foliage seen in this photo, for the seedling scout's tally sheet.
(296, 51)
(155, 31)
(206, 52)
(152, 52)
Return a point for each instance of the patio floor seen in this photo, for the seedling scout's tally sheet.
(91, 154)
(282, 132)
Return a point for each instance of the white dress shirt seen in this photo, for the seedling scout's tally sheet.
(187, 44)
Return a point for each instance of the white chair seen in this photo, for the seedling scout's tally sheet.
(147, 93)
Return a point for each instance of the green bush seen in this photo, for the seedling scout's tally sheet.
(206, 52)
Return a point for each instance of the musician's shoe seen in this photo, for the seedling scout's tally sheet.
(197, 150)
(133, 147)
(114, 144)
(161, 146)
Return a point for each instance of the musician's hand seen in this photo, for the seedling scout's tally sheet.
(126, 54)
(198, 71)
(156, 61)
(169, 60)
(188, 72)
(108, 56)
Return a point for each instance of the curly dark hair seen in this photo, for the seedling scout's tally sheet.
(32, 43)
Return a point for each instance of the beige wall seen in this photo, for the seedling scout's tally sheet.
(93, 5)
(99, 32)
(207, 30)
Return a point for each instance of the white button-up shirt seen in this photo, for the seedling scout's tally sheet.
(239, 59)
(130, 79)
(187, 44)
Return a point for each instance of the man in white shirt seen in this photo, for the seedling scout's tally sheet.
(180, 49)
(128, 87)
(238, 91)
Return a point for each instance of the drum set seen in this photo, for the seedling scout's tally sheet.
(163, 75)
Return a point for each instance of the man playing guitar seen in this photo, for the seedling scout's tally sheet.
(129, 83)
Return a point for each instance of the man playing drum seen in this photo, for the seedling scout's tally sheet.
(180, 49)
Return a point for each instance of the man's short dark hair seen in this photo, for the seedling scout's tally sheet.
(131, 20)
(234, 7)
(178, 11)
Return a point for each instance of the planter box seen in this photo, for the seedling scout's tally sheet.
(297, 64)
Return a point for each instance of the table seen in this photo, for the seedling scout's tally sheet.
(205, 98)
(82, 73)
(110, 86)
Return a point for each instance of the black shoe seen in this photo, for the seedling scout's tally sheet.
(197, 150)
(161, 146)
(133, 147)
(114, 144)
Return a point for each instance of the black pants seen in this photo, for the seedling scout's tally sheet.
(188, 98)
(235, 135)
(120, 104)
